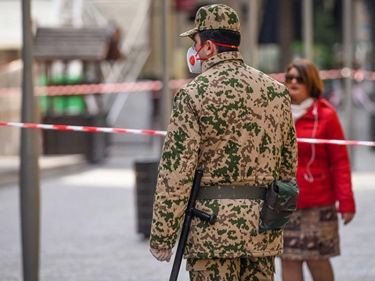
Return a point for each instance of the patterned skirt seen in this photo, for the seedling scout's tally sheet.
(312, 234)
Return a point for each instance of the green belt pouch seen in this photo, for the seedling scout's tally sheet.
(279, 205)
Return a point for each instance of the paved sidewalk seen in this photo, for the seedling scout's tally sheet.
(357, 260)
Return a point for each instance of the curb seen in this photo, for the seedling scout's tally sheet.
(49, 166)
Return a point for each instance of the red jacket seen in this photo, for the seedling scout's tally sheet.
(328, 177)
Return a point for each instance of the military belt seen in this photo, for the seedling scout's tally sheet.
(232, 192)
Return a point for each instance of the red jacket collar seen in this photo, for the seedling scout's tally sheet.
(319, 103)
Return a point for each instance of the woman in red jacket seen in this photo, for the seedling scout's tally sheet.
(323, 176)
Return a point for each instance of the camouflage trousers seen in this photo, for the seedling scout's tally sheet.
(237, 269)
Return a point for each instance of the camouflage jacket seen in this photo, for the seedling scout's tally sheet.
(234, 123)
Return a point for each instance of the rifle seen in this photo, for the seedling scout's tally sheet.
(189, 213)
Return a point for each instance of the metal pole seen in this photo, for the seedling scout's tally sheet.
(348, 65)
(307, 34)
(165, 50)
(253, 28)
(29, 170)
(285, 32)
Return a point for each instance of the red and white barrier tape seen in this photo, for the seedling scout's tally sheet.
(84, 89)
(82, 128)
(338, 142)
(157, 133)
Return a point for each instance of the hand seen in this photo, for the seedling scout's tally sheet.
(162, 254)
(347, 217)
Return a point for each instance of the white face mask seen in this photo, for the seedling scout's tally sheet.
(193, 61)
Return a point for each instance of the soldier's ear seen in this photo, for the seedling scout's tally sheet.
(211, 48)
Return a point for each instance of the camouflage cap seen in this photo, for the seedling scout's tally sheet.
(216, 16)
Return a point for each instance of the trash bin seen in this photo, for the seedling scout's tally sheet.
(146, 172)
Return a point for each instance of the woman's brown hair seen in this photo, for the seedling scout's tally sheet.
(310, 76)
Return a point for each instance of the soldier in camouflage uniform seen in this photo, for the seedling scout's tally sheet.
(234, 123)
